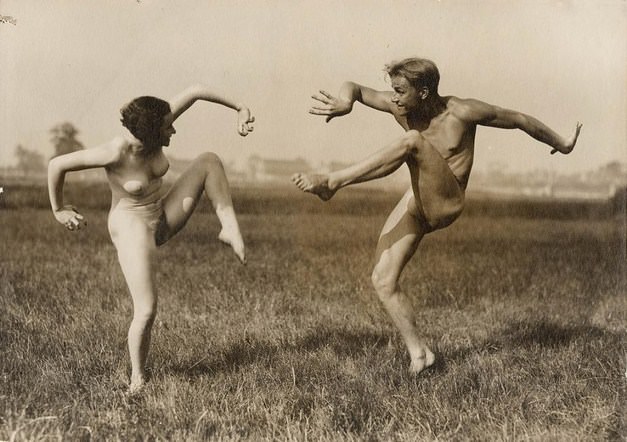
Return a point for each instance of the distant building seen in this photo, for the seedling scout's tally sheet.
(266, 169)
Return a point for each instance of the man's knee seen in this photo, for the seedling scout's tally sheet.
(413, 143)
(384, 283)
(145, 315)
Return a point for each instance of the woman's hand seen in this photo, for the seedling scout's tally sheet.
(244, 121)
(333, 107)
(70, 218)
(569, 144)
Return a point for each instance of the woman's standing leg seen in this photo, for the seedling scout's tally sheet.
(135, 246)
(206, 173)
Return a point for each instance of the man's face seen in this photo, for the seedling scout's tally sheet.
(405, 97)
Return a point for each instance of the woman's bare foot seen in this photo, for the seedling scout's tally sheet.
(425, 359)
(230, 233)
(137, 384)
(318, 184)
(234, 239)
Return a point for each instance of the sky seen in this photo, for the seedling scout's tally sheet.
(81, 60)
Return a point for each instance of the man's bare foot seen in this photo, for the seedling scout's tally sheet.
(234, 239)
(424, 360)
(318, 184)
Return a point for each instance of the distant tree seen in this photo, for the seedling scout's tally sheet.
(64, 139)
(613, 170)
(29, 161)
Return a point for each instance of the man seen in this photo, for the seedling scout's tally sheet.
(437, 147)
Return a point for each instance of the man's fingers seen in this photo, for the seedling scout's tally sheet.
(318, 111)
(322, 108)
(320, 99)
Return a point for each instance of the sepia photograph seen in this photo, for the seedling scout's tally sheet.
(275, 220)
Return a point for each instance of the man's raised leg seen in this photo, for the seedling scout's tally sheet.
(378, 165)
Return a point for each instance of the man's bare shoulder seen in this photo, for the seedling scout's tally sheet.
(466, 109)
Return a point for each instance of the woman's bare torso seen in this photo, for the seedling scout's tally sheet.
(137, 174)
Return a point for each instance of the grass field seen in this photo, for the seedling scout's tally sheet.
(526, 314)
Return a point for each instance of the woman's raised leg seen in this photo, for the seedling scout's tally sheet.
(206, 173)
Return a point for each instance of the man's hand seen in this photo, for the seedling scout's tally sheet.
(332, 107)
(569, 144)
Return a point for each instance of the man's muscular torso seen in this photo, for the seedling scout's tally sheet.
(449, 134)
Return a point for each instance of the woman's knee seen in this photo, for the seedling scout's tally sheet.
(209, 160)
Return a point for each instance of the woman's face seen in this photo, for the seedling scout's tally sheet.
(167, 130)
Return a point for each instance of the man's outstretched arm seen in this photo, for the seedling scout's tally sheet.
(494, 116)
(350, 93)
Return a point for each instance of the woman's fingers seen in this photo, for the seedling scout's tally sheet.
(75, 222)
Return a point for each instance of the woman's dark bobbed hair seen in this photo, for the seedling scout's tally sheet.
(143, 117)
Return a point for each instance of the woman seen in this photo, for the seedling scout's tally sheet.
(143, 213)
(437, 146)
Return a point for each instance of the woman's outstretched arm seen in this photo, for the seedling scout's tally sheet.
(189, 96)
(101, 156)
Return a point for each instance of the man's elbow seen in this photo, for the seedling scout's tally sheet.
(519, 120)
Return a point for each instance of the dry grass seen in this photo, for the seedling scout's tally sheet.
(527, 318)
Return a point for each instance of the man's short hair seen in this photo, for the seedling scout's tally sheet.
(418, 71)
